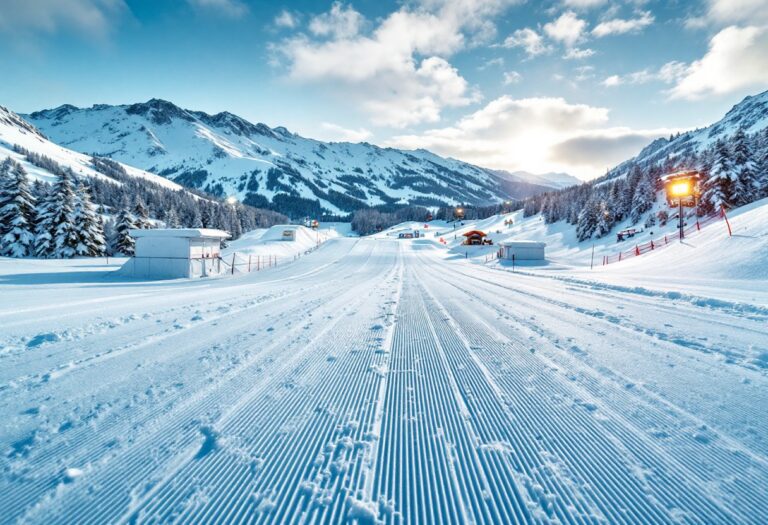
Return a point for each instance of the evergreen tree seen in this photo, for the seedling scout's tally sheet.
(126, 222)
(761, 168)
(141, 215)
(55, 233)
(605, 219)
(17, 212)
(170, 218)
(587, 220)
(718, 188)
(110, 237)
(644, 196)
(746, 185)
(88, 225)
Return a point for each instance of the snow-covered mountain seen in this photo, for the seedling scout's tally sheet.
(551, 179)
(227, 155)
(751, 115)
(15, 131)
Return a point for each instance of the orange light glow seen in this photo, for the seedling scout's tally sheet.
(680, 189)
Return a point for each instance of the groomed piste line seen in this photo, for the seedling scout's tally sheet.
(382, 385)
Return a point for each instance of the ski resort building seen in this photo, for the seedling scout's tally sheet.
(170, 253)
(475, 238)
(523, 250)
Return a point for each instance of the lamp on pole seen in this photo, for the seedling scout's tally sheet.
(681, 189)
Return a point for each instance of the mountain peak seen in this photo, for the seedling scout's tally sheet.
(159, 111)
(12, 119)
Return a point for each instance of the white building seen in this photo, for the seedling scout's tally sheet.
(172, 253)
(523, 250)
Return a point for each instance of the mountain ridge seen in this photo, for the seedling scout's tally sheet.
(225, 154)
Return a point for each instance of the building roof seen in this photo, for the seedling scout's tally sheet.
(181, 232)
(524, 244)
(473, 233)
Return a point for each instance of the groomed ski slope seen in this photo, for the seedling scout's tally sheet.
(380, 381)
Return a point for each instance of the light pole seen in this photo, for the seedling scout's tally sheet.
(681, 189)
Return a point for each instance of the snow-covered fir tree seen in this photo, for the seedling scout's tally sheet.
(643, 197)
(88, 225)
(588, 220)
(124, 223)
(65, 236)
(718, 188)
(56, 235)
(170, 218)
(605, 219)
(141, 215)
(17, 211)
(745, 177)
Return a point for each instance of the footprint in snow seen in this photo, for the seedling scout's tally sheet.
(39, 339)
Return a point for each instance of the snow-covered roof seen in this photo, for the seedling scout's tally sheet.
(524, 244)
(180, 232)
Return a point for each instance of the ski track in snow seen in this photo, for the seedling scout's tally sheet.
(376, 382)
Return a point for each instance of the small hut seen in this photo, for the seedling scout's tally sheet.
(173, 253)
(474, 238)
(523, 250)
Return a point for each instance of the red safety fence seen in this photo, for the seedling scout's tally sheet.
(665, 240)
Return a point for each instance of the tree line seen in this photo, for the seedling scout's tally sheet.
(734, 171)
(88, 216)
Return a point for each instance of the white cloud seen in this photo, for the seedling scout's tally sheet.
(231, 8)
(513, 134)
(576, 53)
(94, 18)
(339, 22)
(668, 73)
(619, 26)
(606, 147)
(398, 71)
(286, 19)
(494, 62)
(568, 28)
(529, 40)
(583, 4)
(334, 132)
(734, 11)
(512, 77)
(736, 59)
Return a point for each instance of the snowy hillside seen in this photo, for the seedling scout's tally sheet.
(227, 155)
(749, 115)
(14, 130)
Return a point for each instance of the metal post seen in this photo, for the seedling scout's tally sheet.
(233, 263)
(680, 213)
(727, 223)
(513, 263)
(592, 260)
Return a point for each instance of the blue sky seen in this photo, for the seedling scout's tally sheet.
(560, 85)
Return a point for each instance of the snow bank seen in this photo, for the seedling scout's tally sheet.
(270, 242)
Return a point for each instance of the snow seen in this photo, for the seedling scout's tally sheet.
(384, 380)
(13, 133)
(269, 242)
(180, 232)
